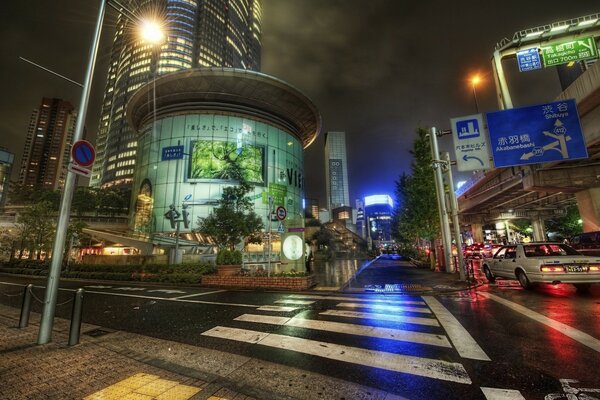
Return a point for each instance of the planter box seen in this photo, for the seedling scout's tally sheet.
(228, 270)
(261, 282)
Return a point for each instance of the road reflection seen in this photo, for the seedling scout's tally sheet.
(335, 273)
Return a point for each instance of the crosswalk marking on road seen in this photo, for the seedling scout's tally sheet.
(573, 333)
(464, 343)
(385, 307)
(382, 317)
(293, 301)
(278, 308)
(501, 394)
(351, 329)
(426, 367)
(359, 299)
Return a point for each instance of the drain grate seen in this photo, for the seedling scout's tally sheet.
(97, 332)
(395, 287)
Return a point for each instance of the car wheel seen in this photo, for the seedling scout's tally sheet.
(583, 287)
(523, 280)
(488, 274)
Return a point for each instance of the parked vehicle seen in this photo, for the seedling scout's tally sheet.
(489, 249)
(474, 250)
(587, 243)
(543, 262)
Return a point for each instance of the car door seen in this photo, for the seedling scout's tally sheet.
(497, 261)
(509, 264)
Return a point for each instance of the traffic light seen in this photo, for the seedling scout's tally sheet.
(186, 215)
(172, 215)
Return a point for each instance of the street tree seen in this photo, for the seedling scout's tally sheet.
(566, 225)
(416, 215)
(233, 220)
(36, 227)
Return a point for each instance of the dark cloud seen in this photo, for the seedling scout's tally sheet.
(376, 69)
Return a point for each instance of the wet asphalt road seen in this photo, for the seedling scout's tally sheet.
(491, 343)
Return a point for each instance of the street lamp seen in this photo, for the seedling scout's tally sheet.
(49, 307)
(475, 80)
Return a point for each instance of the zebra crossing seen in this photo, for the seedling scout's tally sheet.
(420, 322)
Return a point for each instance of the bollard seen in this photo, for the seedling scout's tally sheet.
(25, 307)
(75, 329)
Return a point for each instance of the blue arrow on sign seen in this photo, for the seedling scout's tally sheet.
(467, 158)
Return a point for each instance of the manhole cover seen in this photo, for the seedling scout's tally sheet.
(97, 332)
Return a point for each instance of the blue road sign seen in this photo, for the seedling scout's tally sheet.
(536, 134)
(172, 153)
(83, 153)
(529, 60)
(470, 143)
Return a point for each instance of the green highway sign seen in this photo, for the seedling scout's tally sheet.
(566, 52)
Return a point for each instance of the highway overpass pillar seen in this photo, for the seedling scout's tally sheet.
(539, 229)
(477, 233)
(588, 202)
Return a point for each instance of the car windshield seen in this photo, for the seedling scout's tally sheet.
(549, 250)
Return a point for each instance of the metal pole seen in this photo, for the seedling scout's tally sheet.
(504, 100)
(177, 243)
(455, 223)
(475, 96)
(74, 331)
(25, 307)
(47, 321)
(439, 186)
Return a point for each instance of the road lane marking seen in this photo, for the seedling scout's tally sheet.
(199, 294)
(292, 301)
(501, 394)
(426, 367)
(383, 317)
(350, 329)
(464, 343)
(384, 307)
(565, 329)
(278, 308)
(344, 298)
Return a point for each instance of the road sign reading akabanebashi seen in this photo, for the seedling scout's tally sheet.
(536, 134)
(470, 143)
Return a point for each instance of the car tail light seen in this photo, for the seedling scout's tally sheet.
(552, 268)
(594, 268)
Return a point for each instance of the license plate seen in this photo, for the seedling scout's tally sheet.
(575, 268)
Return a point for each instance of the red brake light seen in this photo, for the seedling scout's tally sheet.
(594, 268)
(552, 268)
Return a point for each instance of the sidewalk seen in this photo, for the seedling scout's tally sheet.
(386, 275)
(109, 365)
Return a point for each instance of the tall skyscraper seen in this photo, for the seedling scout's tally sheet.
(199, 33)
(336, 170)
(46, 151)
(6, 162)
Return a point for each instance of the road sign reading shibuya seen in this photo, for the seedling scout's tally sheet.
(566, 52)
(470, 143)
(536, 134)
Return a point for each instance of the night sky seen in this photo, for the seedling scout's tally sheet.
(376, 69)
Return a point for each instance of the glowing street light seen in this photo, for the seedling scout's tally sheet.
(475, 80)
(151, 32)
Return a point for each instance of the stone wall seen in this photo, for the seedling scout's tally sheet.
(262, 282)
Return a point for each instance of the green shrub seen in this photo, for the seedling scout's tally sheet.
(229, 257)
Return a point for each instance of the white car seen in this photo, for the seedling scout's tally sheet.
(543, 262)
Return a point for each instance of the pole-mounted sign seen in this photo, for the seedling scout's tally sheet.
(470, 143)
(83, 153)
(281, 213)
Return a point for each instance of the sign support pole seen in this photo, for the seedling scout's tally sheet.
(504, 99)
(439, 186)
(454, 213)
(47, 321)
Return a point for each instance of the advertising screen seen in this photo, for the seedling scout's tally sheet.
(223, 160)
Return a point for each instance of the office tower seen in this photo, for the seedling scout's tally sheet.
(6, 162)
(311, 208)
(199, 33)
(379, 210)
(46, 151)
(336, 170)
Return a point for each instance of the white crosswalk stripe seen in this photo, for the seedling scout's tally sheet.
(385, 307)
(351, 329)
(363, 317)
(431, 368)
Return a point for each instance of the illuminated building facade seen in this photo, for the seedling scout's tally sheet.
(6, 162)
(378, 212)
(254, 125)
(46, 150)
(336, 170)
(199, 33)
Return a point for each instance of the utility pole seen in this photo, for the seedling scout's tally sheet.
(454, 212)
(439, 189)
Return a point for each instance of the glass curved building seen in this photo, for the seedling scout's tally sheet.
(206, 126)
(199, 33)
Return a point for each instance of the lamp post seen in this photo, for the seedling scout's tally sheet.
(475, 80)
(50, 297)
